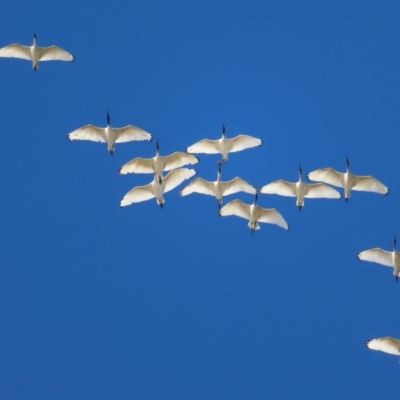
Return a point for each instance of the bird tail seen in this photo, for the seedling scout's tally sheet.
(299, 204)
(256, 226)
(161, 202)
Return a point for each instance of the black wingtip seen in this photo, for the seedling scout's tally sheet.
(388, 191)
(288, 228)
(68, 137)
(73, 58)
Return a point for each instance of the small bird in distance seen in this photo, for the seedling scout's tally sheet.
(36, 53)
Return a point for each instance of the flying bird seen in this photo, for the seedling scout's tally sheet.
(157, 189)
(158, 164)
(110, 135)
(386, 344)
(36, 53)
(218, 188)
(254, 214)
(224, 145)
(300, 190)
(383, 257)
(348, 181)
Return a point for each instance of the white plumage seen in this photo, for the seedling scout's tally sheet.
(300, 190)
(386, 344)
(110, 135)
(36, 53)
(224, 145)
(218, 188)
(254, 214)
(156, 188)
(158, 164)
(348, 181)
(383, 257)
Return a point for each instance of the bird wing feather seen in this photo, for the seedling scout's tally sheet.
(178, 160)
(237, 185)
(130, 133)
(88, 132)
(137, 195)
(271, 216)
(236, 207)
(320, 190)
(378, 256)
(243, 142)
(205, 146)
(327, 175)
(16, 51)
(176, 177)
(369, 184)
(138, 166)
(281, 187)
(199, 185)
(53, 53)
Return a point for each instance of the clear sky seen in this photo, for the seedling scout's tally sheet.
(102, 302)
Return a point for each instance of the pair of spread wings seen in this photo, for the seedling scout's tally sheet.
(202, 186)
(242, 210)
(96, 134)
(51, 53)
(146, 165)
(335, 178)
(238, 143)
(170, 182)
(312, 191)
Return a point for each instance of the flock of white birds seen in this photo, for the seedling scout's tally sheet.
(173, 163)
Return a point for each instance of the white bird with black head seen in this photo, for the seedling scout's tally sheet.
(158, 164)
(36, 53)
(218, 188)
(383, 257)
(156, 188)
(300, 190)
(254, 214)
(110, 135)
(224, 145)
(348, 181)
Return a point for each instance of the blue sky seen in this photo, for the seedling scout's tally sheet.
(102, 302)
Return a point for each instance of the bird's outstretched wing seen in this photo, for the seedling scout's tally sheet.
(281, 188)
(138, 166)
(236, 207)
(271, 216)
(16, 51)
(130, 133)
(378, 256)
(320, 190)
(176, 177)
(205, 146)
(88, 132)
(199, 185)
(327, 175)
(137, 195)
(370, 184)
(54, 53)
(237, 185)
(178, 160)
(243, 142)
